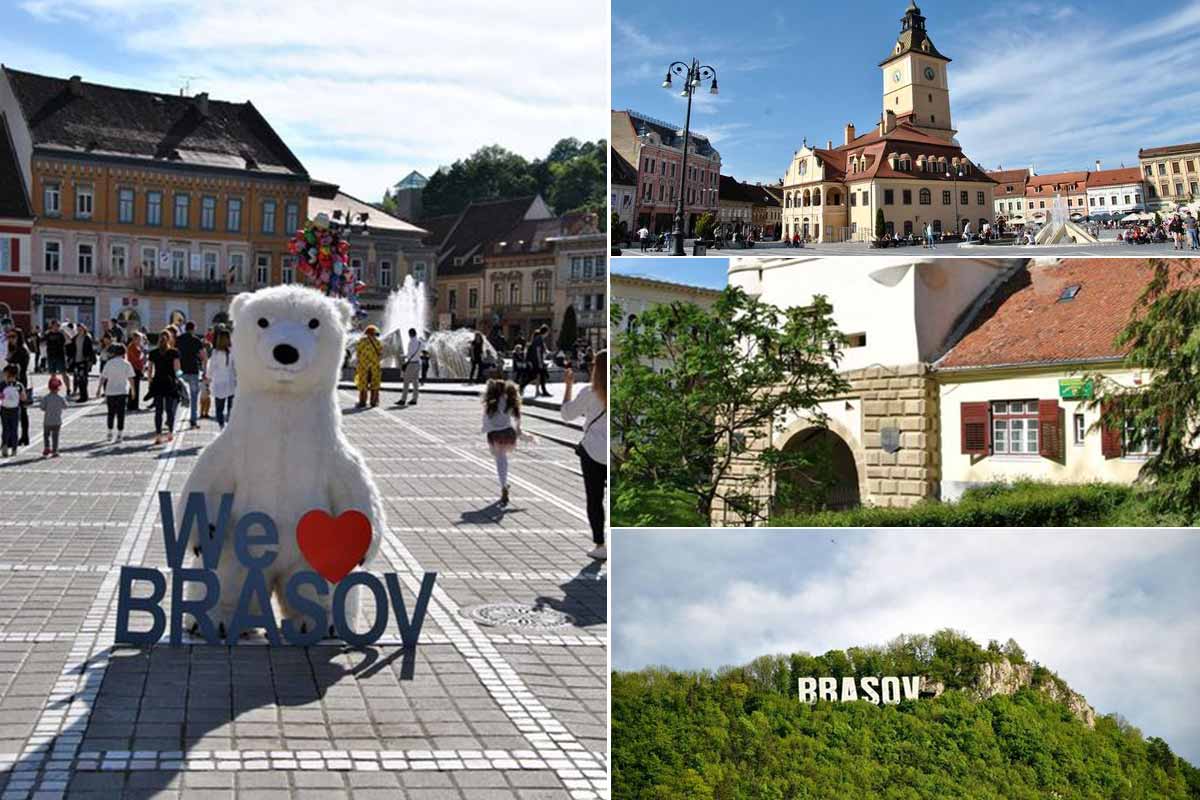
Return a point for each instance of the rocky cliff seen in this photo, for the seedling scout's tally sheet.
(1004, 677)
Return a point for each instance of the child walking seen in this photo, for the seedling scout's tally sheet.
(53, 405)
(12, 394)
(114, 385)
(502, 424)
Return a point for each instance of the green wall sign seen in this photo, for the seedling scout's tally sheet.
(1075, 389)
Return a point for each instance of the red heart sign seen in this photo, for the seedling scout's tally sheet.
(333, 546)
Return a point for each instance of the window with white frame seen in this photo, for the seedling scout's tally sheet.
(182, 206)
(418, 271)
(233, 215)
(268, 216)
(356, 268)
(52, 199)
(288, 269)
(119, 260)
(385, 273)
(237, 266)
(154, 208)
(541, 292)
(208, 213)
(514, 294)
(210, 265)
(149, 260)
(84, 201)
(179, 264)
(587, 268)
(1080, 428)
(1015, 427)
(576, 267)
(497, 294)
(125, 205)
(291, 220)
(86, 258)
(452, 299)
(262, 269)
(1137, 441)
(472, 299)
(52, 256)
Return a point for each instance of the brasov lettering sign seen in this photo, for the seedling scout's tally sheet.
(332, 546)
(886, 691)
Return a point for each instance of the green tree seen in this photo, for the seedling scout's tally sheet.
(705, 225)
(489, 173)
(880, 225)
(698, 394)
(1163, 337)
(568, 332)
(577, 183)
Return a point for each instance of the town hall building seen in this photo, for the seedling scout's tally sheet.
(910, 166)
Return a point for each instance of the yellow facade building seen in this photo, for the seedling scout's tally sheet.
(909, 166)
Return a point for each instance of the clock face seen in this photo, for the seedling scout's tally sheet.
(896, 76)
(929, 73)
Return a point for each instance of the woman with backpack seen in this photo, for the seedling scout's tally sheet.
(592, 404)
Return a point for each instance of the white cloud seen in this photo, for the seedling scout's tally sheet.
(372, 89)
(1112, 612)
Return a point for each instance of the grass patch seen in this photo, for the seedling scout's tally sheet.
(1021, 504)
(654, 507)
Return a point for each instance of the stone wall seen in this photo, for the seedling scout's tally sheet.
(905, 398)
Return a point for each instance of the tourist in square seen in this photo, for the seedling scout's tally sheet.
(502, 426)
(136, 359)
(83, 356)
(55, 342)
(537, 359)
(412, 369)
(163, 376)
(1193, 232)
(12, 395)
(53, 404)
(220, 375)
(477, 357)
(114, 386)
(368, 374)
(191, 361)
(592, 404)
(19, 357)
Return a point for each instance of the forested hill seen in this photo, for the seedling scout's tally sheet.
(990, 725)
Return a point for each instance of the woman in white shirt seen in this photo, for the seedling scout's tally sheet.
(502, 424)
(592, 405)
(221, 375)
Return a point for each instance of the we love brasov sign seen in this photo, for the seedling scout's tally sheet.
(332, 546)
(886, 690)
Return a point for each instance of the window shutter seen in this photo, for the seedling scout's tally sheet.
(976, 429)
(1050, 444)
(1110, 431)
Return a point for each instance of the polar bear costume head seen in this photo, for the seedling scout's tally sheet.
(288, 339)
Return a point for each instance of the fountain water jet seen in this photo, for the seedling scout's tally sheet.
(1060, 229)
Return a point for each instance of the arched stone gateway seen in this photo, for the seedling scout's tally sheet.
(839, 464)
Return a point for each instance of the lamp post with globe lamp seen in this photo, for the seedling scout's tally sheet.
(693, 75)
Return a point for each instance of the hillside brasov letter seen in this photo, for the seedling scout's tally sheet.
(887, 691)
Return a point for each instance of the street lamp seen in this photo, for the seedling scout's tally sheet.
(955, 174)
(693, 74)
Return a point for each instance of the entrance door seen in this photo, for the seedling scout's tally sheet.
(830, 481)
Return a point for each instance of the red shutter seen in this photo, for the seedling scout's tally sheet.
(1050, 444)
(976, 429)
(1111, 425)
(15, 245)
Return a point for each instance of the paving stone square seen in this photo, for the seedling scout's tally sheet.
(506, 708)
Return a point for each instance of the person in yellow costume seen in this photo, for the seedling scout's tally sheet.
(368, 375)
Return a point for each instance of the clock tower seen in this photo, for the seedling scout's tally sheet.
(915, 83)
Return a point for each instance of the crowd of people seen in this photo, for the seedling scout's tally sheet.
(178, 367)
(1180, 229)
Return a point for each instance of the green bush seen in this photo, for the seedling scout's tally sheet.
(1021, 504)
(639, 507)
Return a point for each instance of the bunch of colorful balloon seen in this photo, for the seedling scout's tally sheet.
(323, 255)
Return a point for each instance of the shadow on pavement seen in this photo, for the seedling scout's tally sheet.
(584, 597)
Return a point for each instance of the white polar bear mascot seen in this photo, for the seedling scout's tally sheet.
(283, 452)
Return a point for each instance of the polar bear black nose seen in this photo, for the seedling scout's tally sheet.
(286, 354)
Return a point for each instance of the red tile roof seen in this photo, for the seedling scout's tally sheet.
(1025, 323)
(1114, 177)
(904, 138)
(1009, 177)
(1168, 150)
(1050, 180)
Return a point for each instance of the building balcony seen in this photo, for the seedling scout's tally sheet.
(155, 283)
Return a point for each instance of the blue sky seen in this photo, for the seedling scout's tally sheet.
(1113, 612)
(708, 272)
(1058, 85)
(362, 92)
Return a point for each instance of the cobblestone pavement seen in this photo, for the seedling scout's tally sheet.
(1108, 247)
(478, 710)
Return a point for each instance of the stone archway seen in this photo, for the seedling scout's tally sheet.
(844, 468)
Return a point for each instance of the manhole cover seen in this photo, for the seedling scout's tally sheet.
(518, 615)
